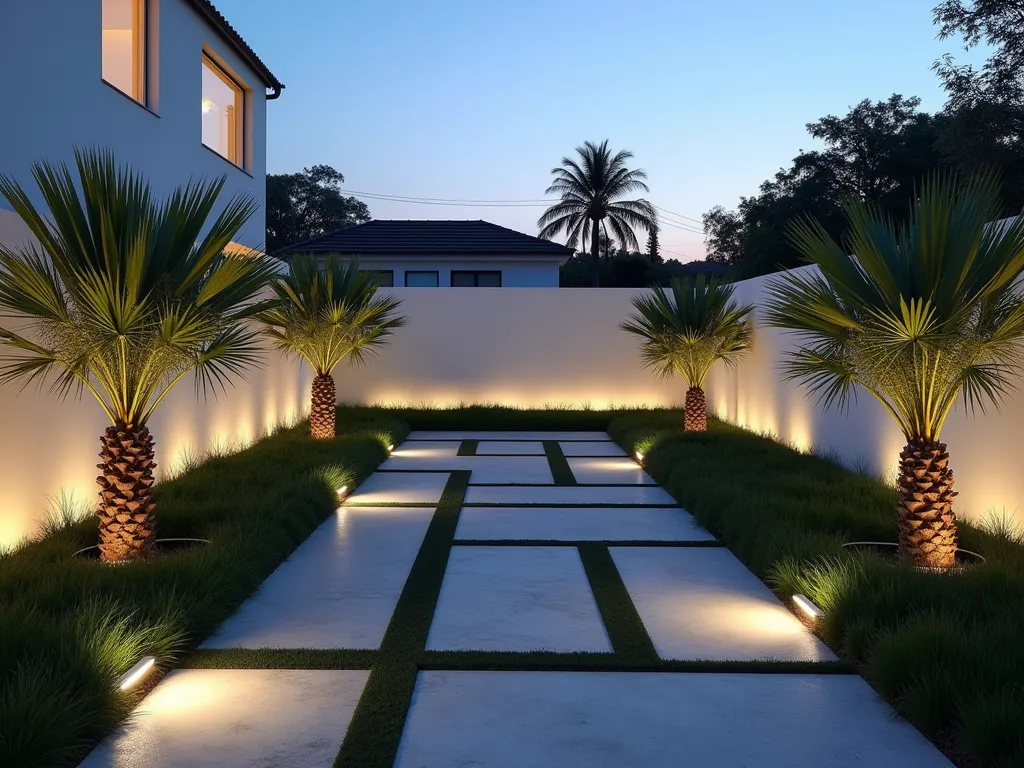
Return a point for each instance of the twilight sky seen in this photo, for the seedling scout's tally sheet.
(479, 99)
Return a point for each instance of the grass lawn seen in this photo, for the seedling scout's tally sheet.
(70, 627)
(945, 649)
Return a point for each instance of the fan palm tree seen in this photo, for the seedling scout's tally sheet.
(326, 313)
(123, 297)
(590, 188)
(687, 331)
(920, 314)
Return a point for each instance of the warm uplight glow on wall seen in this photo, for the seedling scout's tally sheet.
(135, 675)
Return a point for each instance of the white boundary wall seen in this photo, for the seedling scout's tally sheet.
(529, 347)
(983, 449)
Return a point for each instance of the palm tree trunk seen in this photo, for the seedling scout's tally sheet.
(127, 525)
(695, 410)
(322, 410)
(926, 520)
(595, 256)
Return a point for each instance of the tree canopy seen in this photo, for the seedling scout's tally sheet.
(880, 150)
(303, 205)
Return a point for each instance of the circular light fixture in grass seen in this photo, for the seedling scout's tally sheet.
(890, 552)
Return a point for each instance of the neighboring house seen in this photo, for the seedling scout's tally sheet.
(168, 85)
(429, 254)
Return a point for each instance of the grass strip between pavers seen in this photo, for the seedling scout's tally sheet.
(376, 727)
(626, 631)
(284, 658)
(550, 661)
(560, 469)
(468, 448)
(581, 542)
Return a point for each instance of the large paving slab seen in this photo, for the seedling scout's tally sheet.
(516, 447)
(237, 718)
(615, 719)
(608, 469)
(516, 599)
(580, 524)
(604, 448)
(485, 469)
(338, 589)
(510, 435)
(400, 488)
(700, 603)
(641, 495)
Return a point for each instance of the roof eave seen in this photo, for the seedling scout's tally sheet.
(221, 24)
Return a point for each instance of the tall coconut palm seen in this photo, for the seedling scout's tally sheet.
(921, 313)
(687, 331)
(590, 188)
(328, 312)
(123, 297)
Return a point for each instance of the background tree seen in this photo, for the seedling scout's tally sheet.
(985, 107)
(653, 246)
(590, 189)
(920, 313)
(125, 297)
(304, 205)
(723, 235)
(686, 333)
(326, 313)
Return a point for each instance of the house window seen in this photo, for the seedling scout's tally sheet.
(124, 46)
(421, 279)
(467, 279)
(223, 114)
(385, 277)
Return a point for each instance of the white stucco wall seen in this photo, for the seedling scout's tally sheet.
(983, 448)
(518, 273)
(54, 99)
(529, 347)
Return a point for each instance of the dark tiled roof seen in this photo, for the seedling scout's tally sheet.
(707, 267)
(216, 18)
(429, 238)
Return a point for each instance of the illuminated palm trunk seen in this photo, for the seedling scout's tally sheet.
(926, 520)
(322, 411)
(695, 410)
(127, 525)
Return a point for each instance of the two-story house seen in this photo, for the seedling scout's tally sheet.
(168, 85)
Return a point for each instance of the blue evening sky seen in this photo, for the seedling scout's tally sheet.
(479, 99)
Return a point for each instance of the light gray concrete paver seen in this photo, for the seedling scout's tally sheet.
(608, 469)
(580, 524)
(516, 599)
(509, 435)
(615, 719)
(700, 603)
(569, 494)
(485, 469)
(237, 718)
(400, 488)
(605, 448)
(486, 447)
(338, 589)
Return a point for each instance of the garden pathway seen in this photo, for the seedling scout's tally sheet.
(513, 599)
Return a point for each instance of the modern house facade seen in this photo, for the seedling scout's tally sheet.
(433, 254)
(169, 85)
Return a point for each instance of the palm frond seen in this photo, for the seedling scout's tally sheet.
(123, 296)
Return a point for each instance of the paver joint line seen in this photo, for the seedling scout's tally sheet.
(560, 469)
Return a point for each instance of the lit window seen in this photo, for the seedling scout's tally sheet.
(421, 279)
(124, 46)
(222, 113)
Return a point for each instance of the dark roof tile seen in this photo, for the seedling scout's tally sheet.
(216, 18)
(428, 238)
